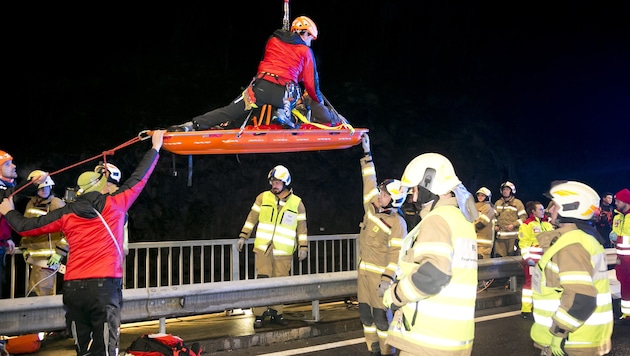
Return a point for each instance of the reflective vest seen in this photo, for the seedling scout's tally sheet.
(277, 228)
(597, 329)
(444, 321)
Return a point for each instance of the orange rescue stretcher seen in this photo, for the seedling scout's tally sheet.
(264, 139)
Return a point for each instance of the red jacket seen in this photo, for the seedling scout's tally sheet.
(93, 253)
(288, 57)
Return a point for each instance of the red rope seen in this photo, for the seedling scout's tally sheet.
(104, 155)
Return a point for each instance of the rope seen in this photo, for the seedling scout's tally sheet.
(344, 125)
(104, 154)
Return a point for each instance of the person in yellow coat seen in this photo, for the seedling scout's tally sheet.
(530, 249)
(434, 296)
(382, 230)
(571, 292)
(38, 250)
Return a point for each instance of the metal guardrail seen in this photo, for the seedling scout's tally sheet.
(25, 315)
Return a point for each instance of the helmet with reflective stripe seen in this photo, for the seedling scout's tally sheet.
(431, 171)
(280, 173)
(303, 23)
(575, 200)
(485, 191)
(395, 190)
(113, 175)
(37, 173)
(509, 185)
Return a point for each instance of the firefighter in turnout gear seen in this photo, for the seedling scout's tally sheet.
(572, 301)
(436, 288)
(38, 250)
(484, 225)
(382, 230)
(531, 250)
(510, 214)
(281, 219)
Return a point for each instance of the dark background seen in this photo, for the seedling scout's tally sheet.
(528, 92)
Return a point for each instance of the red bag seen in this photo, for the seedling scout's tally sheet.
(24, 344)
(162, 344)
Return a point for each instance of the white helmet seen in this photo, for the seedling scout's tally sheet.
(395, 190)
(280, 173)
(485, 191)
(431, 171)
(509, 185)
(575, 200)
(37, 173)
(113, 175)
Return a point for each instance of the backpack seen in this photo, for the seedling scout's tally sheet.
(162, 345)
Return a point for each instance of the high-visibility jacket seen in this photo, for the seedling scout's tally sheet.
(42, 247)
(509, 211)
(484, 225)
(571, 292)
(621, 227)
(441, 323)
(280, 221)
(527, 241)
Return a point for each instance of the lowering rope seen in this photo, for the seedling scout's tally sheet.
(143, 135)
(285, 19)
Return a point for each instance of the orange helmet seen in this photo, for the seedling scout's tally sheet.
(303, 23)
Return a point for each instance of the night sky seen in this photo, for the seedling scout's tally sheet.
(529, 92)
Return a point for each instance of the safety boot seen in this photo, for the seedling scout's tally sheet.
(258, 323)
(277, 318)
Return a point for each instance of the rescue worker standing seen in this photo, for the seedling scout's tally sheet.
(287, 61)
(281, 219)
(38, 250)
(620, 234)
(435, 293)
(382, 230)
(93, 226)
(531, 250)
(572, 301)
(484, 225)
(510, 214)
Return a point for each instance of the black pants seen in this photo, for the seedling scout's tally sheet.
(93, 314)
(264, 91)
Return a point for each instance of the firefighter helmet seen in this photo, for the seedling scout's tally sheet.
(509, 185)
(431, 171)
(303, 23)
(91, 182)
(280, 173)
(485, 191)
(113, 175)
(395, 190)
(37, 173)
(575, 200)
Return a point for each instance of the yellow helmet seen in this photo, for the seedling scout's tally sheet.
(91, 182)
(303, 23)
(431, 171)
(37, 173)
(575, 200)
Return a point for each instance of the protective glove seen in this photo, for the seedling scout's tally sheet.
(557, 346)
(530, 262)
(365, 143)
(382, 288)
(388, 298)
(302, 254)
(612, 236)
(240, 244)
(54, 261)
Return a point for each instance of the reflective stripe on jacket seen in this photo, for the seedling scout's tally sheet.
(561, 290)
(278, 226)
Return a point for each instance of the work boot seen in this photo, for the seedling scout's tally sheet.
(185, 127)
(527, 315)
(258, 323)
(278, 319)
